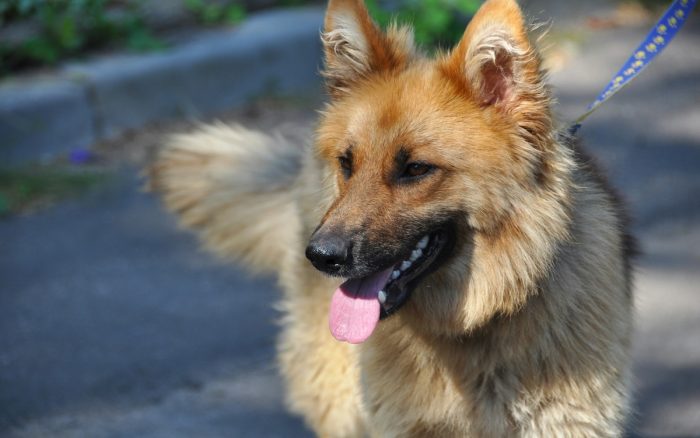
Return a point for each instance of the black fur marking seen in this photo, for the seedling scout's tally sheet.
(400, 161)
(346, 162)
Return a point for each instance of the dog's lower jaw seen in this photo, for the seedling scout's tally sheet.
(435, 248)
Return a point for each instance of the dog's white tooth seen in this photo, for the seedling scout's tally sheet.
(423, 242)
(405, 265)
(395, 274)
(416, 254)
(381, 296)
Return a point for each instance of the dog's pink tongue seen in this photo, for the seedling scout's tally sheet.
(355, 308)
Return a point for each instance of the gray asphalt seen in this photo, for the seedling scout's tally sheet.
(114, 324)
(105, 304)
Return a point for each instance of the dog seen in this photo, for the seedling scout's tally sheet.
(452, 263)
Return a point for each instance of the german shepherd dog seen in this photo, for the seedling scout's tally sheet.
(468, 253)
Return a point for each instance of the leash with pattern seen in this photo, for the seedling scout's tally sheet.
(655, 42)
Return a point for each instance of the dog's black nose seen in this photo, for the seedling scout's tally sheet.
(328, 253)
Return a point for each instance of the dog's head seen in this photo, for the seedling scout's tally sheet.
(432, 163)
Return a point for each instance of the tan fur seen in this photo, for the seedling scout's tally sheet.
(224, 181)
(523, 332)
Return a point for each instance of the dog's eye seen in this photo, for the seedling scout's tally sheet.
(346, 165)
(414, 170)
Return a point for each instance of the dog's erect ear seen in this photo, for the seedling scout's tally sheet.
(501, 68)
(355, 47)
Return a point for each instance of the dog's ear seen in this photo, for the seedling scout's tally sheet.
(355, 47)
(500, 67)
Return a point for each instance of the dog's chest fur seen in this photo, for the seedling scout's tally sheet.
(453, 391)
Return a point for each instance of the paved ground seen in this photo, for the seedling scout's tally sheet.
(103, 95)
(114, 324)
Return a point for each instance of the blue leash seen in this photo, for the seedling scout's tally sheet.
(656, 41)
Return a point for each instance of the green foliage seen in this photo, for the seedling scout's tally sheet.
(212, 12)
(436, 22)
(4, 206)
(31, 188)
(68, 28)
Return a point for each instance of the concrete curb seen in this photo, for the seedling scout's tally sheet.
(276, 51)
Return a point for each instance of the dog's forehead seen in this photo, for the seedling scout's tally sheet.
(376, 124)
(405, 108)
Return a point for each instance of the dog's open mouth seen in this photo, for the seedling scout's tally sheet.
(359, 303)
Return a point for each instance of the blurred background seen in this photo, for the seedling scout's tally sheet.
(114, 323)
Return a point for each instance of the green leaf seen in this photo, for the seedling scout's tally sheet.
(40, 49)
(380, 16)
(142, 41)
(436, 20)
(4, 205)
(212, 14)
(68, 37)
(468, 7)
(235, 14)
